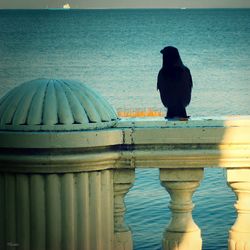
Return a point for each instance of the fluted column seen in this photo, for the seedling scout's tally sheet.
(65, 211)
(123, 181)
(239, 235)
(182, 233)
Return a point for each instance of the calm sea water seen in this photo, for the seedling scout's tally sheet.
(117, 53)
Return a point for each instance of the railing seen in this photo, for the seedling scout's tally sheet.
(66, 190)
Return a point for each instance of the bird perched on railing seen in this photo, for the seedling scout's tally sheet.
(174, 83)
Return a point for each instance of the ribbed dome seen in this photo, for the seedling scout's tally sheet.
(49, 104)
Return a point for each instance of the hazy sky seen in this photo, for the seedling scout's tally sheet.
(126, 3)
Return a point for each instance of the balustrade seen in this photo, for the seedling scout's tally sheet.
(123, 180)
(65, 170)
(239, 235)
(182, 233)
(75, 198)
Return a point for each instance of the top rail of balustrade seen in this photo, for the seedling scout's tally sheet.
(137, 142)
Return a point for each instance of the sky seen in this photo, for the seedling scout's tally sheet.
(100, 4)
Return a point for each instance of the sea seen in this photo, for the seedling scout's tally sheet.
(117, 52)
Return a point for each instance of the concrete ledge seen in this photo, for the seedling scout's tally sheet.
(75, 139)
(133, 143)
(219, 121)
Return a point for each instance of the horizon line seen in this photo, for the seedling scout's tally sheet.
(128, 8)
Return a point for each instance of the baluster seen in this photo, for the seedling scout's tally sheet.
(182, 233)
(123, 181)
(239, 235)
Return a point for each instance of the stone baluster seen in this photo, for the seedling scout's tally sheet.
(239, 235)
(182, 233)
(123, 181)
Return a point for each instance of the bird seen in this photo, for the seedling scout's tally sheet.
(174, 83)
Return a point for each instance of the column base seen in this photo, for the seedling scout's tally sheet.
(238, 240)
(123, 241)
(182, 241)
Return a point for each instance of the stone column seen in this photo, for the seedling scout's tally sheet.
(182, 233)
(123, 181)
(56, 167)
(64, 211)
(239, 235)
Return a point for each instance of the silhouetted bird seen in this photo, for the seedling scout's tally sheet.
(174, 83)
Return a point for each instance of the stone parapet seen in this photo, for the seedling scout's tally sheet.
(64, 171)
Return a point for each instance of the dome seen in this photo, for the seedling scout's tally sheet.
(52, 105)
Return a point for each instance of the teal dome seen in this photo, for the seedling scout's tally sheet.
(52, 105)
